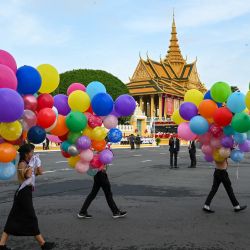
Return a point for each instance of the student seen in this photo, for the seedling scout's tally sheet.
(22, 220)
(192, 154)
(221, 176)
(174, 147)
(101, 181)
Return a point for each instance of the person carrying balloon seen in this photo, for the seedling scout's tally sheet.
(221, 176)
(101, 180)
(22, 220)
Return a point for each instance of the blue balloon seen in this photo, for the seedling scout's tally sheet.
(95, 88)
(65, 145)
(102, 104)
(7, 171)
(199, 125)
(237, 155)
(36, 134)
(29, 80)
(208, 96)
(228, 130)
(240, 137)
(114, 135)
(236, 102)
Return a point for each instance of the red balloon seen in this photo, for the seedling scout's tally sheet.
(65, 154)
(30, 102)
(96, 163)
(215, 130)
(223, 116)
(94, 121)
(63, 137)
(45, 101)
(46, 118)
(90, 110)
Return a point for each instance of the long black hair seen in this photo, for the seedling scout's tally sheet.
(25, 149)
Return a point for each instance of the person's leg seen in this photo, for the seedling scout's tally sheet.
(194, 159)
(175, 158)
(191, 159)
(108, 194)
(216, 184)
(4, 239)
(91, 196)
(171, 158)
(228, 186)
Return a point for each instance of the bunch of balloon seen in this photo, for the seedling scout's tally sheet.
(219, 121)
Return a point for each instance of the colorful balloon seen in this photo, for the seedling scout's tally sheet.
(199, 125)
(95, 88)
(7, 152)
(245, 146)
(60, 128)
(36, 135)
(217, 157)
(215, 143)
(11, 131)
(79, 101)
(106, 156)
(185, 132)
(73, 137)
(223, 116)
(207, 149)
(88, 132)
(220, 91)
(73, 160)
(83, 143)
(125, 105)
(7, 78)
(247, 99)
(215, 130)
(237, 155)
(82, 167)
(102, 104)
(8, 60)
(86, 155)
(236, 102)
(30, 102)
(29, 119)
(94, 121)
(194, 96)
(95, 162)
(207, 108)
(241, 122)
(75, 86)
(99, 133)
(176, 117)
(227, 142)
(99, 145)
(7, 171)
(114, 135)
(228, 130)
(110, 121)
(224, 152)
(76, 121)
(188, 110)
(61, 104)
(240, 137)
(46, 118)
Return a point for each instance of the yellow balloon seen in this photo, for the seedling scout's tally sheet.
(177, 118)
(246, 111)
(217, 157)
(88, 132)
(194, 96)
(247, 99)
(50, 78)
(99, 133)
(11, 131)
(79, 101)
(73, 160)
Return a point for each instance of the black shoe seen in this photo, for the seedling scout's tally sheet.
(4, 248)
(191, 166)
(240, 209)
(120, 214)
(176, 167)
(209, 211)
(84, 216)
(48, 245)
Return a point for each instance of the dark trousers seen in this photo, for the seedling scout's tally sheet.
(100, 181)
(132, 145)
(221, 176)
(173, 155)
(192, 155)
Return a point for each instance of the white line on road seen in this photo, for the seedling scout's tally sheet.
(53, 171)
(61, 161)
(146, 161)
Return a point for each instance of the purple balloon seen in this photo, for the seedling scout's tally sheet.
(208, 158)
(61, 103)
(227, 142)
(125, 105)
(245, 146)
(115, 113)
(83, 143)
(106, 156)
(11, 105)
(188, 110)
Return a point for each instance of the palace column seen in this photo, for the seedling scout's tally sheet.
(165, 107)
(160, 106)
(152, 105)
(141, 104)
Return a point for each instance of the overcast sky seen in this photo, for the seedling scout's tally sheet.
(109, 34)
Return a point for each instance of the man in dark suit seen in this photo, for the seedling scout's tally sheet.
(192, 154)
(174, 147)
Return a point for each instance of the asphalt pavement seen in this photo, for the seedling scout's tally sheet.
(164, 205)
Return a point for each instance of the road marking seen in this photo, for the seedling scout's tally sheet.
(50, 171)
(53, 171)
(136, 155)
(60, 162)
(146, 161)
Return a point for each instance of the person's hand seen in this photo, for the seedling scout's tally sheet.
(28, 173)
(38, 162)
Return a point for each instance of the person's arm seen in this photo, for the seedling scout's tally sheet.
(24, 171)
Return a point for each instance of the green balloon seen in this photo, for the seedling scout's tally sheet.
(220, 91)
(241, 122)
(76, 121)
(73, 136)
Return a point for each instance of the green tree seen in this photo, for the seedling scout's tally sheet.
(114, 86)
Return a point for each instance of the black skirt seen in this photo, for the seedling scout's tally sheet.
(22, 220)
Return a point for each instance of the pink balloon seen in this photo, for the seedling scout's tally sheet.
(87, 155)
(110, 121)
(204, 139)
(8, 60)
(225, 152)
(207, 149)
(82, 167)
(29, 119)
(75, 86)
(215, 130)
(185, 133)
(94, 121)
(30, 102)
(215, 142)
(7, 78)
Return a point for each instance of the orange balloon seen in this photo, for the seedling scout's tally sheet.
(60, 128)
(207, 108)
(210, 120)
(99, 145)
(7, 152)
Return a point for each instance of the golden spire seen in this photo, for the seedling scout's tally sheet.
(174, 52)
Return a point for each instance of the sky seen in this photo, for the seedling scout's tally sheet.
(110, 35)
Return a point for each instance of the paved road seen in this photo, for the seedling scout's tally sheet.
(164, 206)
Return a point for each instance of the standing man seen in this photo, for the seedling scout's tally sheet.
(132, 141)
(174, 147)
(192, 154)
(138, 141)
